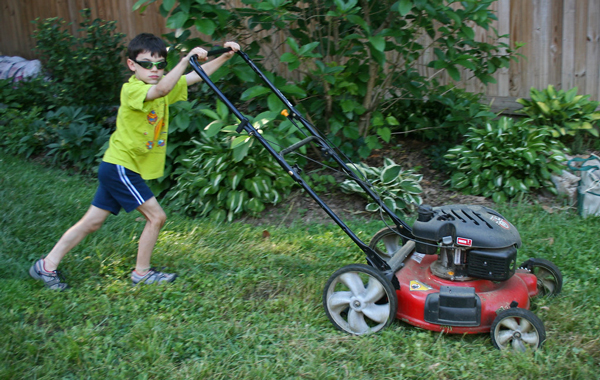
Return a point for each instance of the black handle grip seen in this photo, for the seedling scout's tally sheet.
(218, 51)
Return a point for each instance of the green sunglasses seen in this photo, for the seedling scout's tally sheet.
(148, 65)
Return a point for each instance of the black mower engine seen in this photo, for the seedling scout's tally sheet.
(474, 242)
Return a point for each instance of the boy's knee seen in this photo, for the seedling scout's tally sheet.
(94, 226)
(162, 218)
(159, 218)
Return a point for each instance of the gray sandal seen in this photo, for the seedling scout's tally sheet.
(152, 277)
(52, 279)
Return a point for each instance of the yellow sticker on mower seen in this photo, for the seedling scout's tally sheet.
(416, 286)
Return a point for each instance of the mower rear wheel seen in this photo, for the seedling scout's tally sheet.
(518, 329)
(358, 299)
(549, 277)
(386, 242)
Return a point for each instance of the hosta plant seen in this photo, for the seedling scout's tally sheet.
(504, 159)
(226, 174)
(398, 188)
(564, 113)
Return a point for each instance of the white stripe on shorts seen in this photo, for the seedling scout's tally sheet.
(127, 183)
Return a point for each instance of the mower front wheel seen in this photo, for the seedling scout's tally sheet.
(518, 329)
(358, 299)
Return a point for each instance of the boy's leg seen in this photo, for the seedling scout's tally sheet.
(155, 219)
(45, 269)
(90, 222)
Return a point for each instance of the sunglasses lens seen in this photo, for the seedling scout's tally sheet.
(145, 65)
(148, 65)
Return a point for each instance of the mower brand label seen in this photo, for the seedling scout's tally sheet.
(501, 222)
(464, 241)
(418, 257)
(418, 286)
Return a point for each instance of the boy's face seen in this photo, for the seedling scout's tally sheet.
(149, 76)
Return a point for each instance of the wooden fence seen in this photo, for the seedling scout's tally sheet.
(560, 36)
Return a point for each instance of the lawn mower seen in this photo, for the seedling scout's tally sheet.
(453, 271)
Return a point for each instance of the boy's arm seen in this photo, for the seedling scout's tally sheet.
(168, 82)
(212, 66)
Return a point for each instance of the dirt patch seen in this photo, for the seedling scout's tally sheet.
(300, 206)
(411, 154)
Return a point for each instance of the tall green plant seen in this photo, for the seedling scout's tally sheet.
(505, 159)
(352, 56)
(88, 65)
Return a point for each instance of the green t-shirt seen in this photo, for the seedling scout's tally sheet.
(140, 141)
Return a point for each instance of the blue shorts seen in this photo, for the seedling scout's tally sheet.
(120, 188)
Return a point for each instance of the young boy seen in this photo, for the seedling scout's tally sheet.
(136, 152)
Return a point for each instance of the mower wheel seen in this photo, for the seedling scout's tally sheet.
(358, 299)
(549, 277)
(386, 242)
(518, 329)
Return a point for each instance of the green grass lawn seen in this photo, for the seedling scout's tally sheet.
(246, 307)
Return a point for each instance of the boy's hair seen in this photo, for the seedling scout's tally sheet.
(146, 42)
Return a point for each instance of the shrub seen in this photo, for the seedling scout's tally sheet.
(563, 113)
(89, 67)
(25, 132)
(348, 57)
(399, 189)
(79, 141)
(212, 183)
(218, 178)
(444, 117)
(505, 159)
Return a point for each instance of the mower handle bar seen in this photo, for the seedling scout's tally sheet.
(218, 51)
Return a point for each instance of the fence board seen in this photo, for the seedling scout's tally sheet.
(561, 38)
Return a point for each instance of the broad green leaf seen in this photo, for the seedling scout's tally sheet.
(213, 128)
(305, 49)
(288, 57)
(253, 92)
(205, 26)
(378, 43)
(385, 134)
(499, 197)
(405, 6)
(239, 141)
(177, 20)
(168, 4)
(390, 173)
(372, 207)
(453, 72)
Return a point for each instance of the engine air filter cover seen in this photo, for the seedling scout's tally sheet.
(492, 264)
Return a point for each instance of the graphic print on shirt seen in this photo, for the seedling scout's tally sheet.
(158, 126)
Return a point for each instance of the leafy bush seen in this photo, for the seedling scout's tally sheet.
(351, 56)
(445, 116)
(218, 178)
(79, 142)
(564, 113)
(25, 132)
(398, 188)
(505, 159)
(88, 67)
(213, 183)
